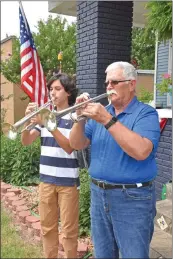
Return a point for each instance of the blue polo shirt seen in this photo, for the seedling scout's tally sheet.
(108, 160)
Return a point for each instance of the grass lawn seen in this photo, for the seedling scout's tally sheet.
(12, 245)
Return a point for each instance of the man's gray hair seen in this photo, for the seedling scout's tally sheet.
(129, 70)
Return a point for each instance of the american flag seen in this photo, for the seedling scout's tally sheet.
(32, 76)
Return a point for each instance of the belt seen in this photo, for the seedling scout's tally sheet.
(119, 186)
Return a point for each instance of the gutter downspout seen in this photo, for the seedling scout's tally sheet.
(155, 74)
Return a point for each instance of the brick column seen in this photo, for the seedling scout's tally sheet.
(164, 158)
(103, 37)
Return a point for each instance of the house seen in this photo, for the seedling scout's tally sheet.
(12, 108)
(163, 103)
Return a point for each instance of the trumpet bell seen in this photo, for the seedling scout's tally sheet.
(9, 131)
(49, 119)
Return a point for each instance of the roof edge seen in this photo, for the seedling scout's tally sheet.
(8, 38)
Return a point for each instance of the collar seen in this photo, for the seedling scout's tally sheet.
(129, 109)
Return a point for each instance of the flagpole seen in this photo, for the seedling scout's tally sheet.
(23, 14)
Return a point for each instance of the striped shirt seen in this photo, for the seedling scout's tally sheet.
(57, 166)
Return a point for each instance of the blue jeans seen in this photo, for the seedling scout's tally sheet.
(122, 220)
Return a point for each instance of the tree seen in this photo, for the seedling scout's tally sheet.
(143, 49)
(2, 99)
(159, 19)
(10, 68)
(53, 36)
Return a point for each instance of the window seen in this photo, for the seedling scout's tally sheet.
(169, 95)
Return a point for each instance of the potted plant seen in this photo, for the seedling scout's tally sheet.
(165, 86)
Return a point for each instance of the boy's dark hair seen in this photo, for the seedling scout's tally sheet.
(68, 83)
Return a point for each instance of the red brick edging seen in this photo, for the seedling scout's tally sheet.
(29, 225)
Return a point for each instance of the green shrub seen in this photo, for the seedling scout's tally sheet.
(145, 96)
(84, 203)
(19, 164)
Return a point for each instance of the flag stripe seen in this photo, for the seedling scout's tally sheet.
(27, 75)
(26, 58)
(26, 64)
(31, 78)
(26, 69)
(39, 79)
(36, 77)
(24, 46)
(29, 82)
(26, 90)
(25, 52)
(42, 82)
(28, 86)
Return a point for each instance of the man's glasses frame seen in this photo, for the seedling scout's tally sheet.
(115, 82)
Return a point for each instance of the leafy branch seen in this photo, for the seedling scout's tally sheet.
(159, 19)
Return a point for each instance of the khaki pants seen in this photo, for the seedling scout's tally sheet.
(54, 200)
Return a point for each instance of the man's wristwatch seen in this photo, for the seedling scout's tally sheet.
(111, 122)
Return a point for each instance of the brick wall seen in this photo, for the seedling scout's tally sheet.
(14, 106)
(103, 37)
(7, 88)
(164, 158)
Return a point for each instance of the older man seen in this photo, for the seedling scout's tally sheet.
(123, 137)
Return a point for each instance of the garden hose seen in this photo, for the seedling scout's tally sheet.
(34, 214)
(26, 188)
(87, 255)
(31, 210)
(33, 206)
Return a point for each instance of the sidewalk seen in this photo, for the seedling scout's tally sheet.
(161, 244)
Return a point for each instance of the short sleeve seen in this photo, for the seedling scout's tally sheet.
(147, 125)
(89, 129)
(38, 128)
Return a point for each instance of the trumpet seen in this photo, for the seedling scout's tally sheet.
(11, 131)
(51, 117)
(48, 117)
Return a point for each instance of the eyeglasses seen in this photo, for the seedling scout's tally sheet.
(115, 82)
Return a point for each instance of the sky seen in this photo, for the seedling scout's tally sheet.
(34, 11)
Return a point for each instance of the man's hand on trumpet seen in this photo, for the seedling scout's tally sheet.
(81, 98)
(94, 111)
(97, 112)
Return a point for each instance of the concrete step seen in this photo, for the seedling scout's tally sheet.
(163, 219)
(161, 244)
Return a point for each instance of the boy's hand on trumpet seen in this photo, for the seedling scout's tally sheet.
(36, 120)
(31, 108)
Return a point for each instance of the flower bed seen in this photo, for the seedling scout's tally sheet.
(22, 203)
